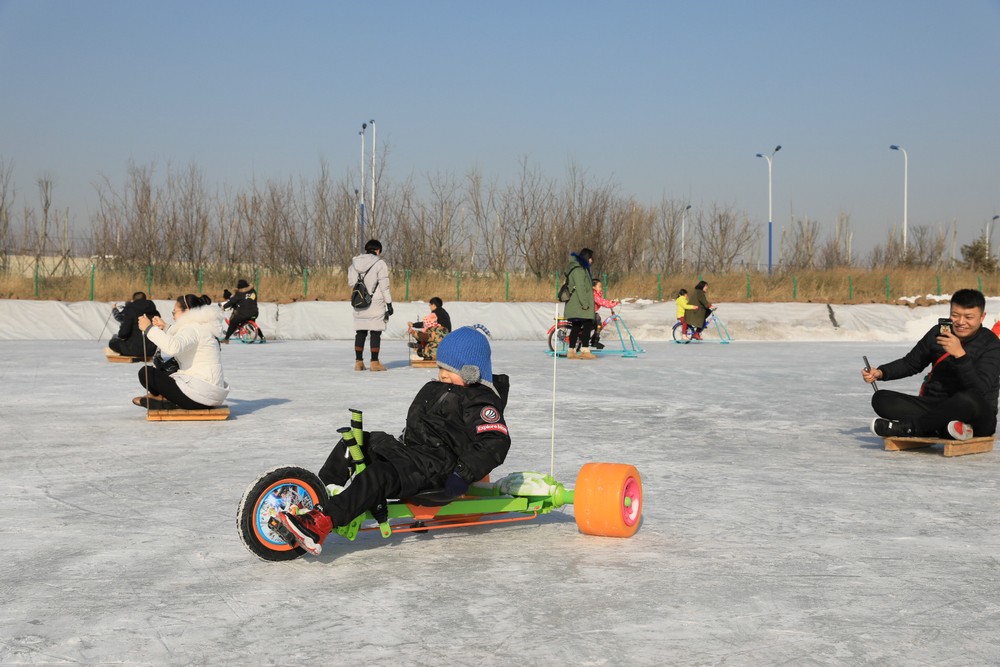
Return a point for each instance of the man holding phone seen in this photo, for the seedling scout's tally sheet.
(959, 395)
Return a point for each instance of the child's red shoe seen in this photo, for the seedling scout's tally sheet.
(309, 529)
(696, 335)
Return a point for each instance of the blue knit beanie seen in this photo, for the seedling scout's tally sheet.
(466, 351)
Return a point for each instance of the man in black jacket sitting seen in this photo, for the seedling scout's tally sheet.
(129, 340)
(959, 395)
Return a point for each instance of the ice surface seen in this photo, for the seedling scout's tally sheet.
(775, 529)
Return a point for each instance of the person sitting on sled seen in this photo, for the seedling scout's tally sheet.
(198, 382)
(682, 307)
(244, 305)
(599, 302)
(455, 435)
(129, 340)
(959, 394)
(431, 330)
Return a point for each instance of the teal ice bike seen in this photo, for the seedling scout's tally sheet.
(607, 502)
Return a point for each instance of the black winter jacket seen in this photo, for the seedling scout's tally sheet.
(129, 332)
(977, 371)
(449, 429)
(244, 304)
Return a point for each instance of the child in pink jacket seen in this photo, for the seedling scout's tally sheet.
(600, 302)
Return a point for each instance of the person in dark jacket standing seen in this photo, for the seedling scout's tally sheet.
(455, 435)
(959, 394)
(129, 341)
(579, 309)
(244, 305)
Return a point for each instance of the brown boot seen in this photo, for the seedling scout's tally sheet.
(377, 365)
(571, 354)
(585, 353)
(359, 366)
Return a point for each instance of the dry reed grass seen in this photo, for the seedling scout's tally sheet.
(834, 286)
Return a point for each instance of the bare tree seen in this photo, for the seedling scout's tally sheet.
(802, 244)
(723, 239)
(45, 185)
(6, 206)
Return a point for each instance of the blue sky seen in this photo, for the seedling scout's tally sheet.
(665, 99)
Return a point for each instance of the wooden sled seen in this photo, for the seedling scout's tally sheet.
(951, 447)
(419, 362)
(122, 359)
(220, 413)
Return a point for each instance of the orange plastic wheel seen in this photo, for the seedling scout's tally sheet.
(607, 500)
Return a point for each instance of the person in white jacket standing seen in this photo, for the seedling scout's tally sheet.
(372, 319)
(199, 382)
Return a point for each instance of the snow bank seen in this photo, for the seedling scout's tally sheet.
(331, 320)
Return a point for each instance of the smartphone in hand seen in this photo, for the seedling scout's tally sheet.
(868, 367)
(944, 326)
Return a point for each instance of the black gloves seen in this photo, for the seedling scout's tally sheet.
(455, 486)
(388, 310)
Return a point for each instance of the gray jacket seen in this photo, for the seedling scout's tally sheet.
(371, 318)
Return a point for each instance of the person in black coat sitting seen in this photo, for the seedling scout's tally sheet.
(129, 340)
(244, 305)
(455, 435)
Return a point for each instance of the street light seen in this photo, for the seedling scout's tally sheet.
(683, 223)
(371, 202)
(770, 216)
(906, 180)
(361, 205)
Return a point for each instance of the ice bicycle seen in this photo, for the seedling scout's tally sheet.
(248, 332)
(607, 502)
(684, 333)
(558, 336)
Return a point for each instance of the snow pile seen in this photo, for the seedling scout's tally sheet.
(647, 320)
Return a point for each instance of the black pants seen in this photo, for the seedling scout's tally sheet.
(133, 346)
(359, 343)
(930, 415)
(377, 482)
(579, 330)
(163, 384)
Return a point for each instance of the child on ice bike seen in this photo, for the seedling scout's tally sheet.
(599, 302)
(682, 307)
(455, 435)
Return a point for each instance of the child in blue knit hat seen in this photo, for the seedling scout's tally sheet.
(455, 435)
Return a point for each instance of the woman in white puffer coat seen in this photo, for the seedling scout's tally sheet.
(191, 341)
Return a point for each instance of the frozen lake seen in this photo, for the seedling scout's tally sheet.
(775, 529)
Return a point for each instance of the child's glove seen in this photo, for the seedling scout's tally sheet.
(455, 486)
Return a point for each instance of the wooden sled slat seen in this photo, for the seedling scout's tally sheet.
(220, 413)
(951, 447)
(121, 359)
(420, 362)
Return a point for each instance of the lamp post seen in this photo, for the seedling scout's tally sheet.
(770, 214)
(906, 181)
(361, 205)
(683, 224)
(371, 202)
